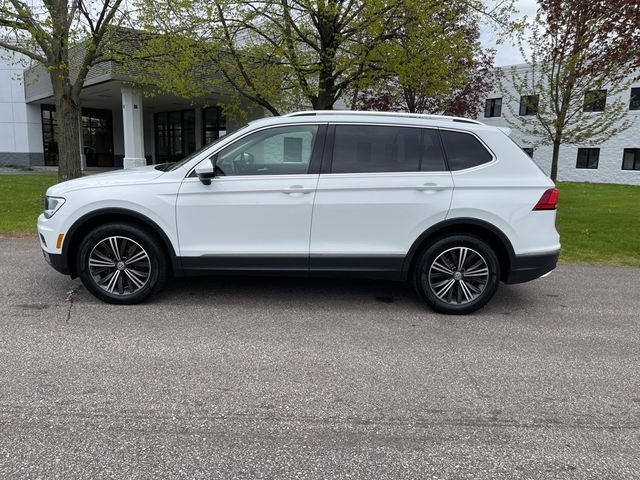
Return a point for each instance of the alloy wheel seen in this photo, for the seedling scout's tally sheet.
(119, 265)
(458, 275)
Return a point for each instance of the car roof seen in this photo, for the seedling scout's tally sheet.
(387, 118)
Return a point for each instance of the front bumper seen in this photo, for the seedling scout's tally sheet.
(56, 261)
(48, 231)
(525, 268)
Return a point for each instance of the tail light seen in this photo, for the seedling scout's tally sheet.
(548, 200)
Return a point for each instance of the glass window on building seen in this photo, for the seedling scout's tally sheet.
(97, 136)
(634, 102)
(49, 142)
(595, 101)
(214, 124)
(631, 159)
(493, 107)
(529, 104)
(588, 158)
(175, 135)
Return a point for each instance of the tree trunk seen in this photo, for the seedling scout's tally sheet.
(327, 22)
(68, 132)
(554, 160)
(326, 88)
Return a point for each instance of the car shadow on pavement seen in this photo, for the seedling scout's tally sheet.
(303, 293)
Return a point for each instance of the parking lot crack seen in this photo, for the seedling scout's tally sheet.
(70, 299)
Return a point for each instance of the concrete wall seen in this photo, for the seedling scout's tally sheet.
(20, 124)
(611, 151)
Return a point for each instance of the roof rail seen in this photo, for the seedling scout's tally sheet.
(379, 114)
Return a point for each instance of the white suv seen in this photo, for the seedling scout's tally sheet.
(449, 204)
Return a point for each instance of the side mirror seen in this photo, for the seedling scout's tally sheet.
(205, 173)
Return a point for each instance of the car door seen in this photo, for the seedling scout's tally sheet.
(381, 186)
(256, 213)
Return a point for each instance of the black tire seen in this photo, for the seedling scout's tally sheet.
(150, 272)
(465, 294)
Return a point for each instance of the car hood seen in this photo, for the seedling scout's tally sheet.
(108, 179)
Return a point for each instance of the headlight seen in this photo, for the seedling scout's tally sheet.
(52, 205)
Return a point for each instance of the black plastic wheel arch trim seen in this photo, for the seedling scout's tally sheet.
(454, 222)
(69, 236)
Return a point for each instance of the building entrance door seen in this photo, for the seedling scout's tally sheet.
(97, 137)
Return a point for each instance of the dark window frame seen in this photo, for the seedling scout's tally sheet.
(595, 101)
(493, 107)
(634, 99)
(636, 159)
(588, 158)
(529, 105)
(529, 151)
(331, 148)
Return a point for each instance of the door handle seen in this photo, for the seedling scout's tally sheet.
(297, 189)
(430, 187)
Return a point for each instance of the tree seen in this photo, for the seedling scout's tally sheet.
(435, 64)
(579, 48)
(288, 54)
(67, 39)
(277, 53)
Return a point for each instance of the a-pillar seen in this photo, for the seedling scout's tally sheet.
(133, 127)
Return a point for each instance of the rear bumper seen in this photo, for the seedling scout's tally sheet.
(56, 261)
(529, 267)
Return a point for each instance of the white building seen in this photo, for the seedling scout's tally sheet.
(615, 161)
(20, 124)
(117, 121)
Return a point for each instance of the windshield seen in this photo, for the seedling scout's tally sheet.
(174, 166)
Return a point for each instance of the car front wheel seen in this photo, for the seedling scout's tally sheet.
(457, 274)
(121, 263)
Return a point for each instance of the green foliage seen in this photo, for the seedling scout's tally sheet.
(435, 62)
(289, 54)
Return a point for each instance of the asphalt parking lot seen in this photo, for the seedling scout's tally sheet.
(287, 378)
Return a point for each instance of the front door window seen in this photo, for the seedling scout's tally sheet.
(274, 151)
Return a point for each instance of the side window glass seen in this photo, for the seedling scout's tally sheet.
(432, 156)
(274, 151)
(372, 148)
(463, 150)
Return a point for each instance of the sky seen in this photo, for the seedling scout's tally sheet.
(508, 53)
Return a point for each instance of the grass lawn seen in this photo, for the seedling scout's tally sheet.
(598, 223)
(21, 201)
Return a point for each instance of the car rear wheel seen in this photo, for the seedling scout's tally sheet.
(457, 274)
(121, 263)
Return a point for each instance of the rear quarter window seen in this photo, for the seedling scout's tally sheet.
(463, 150)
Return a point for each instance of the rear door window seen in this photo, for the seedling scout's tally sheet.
(375, 148)
(464, 150)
